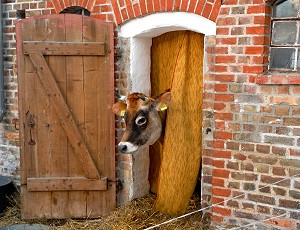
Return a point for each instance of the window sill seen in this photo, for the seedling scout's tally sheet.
(278, 79)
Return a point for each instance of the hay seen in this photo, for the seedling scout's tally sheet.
(138, 214)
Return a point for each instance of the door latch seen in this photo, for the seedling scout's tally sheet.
(31, 124)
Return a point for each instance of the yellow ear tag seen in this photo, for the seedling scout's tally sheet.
(122, 113)
(163, 107)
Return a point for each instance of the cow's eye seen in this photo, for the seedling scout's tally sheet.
(140, 120)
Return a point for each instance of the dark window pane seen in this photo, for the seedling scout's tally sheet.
(282, 58)
(286, 9)
(284, 33)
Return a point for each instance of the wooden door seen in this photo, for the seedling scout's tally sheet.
(65, 78)
(177, 63)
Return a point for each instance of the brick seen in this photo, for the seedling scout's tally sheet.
(279, 140)
(262, 199)
(244, 176)
(232, 165)
(295, 194)
(283, 130)
(285, 182)
(221, 87)
(224, 78)
(221, 154)
(235, 185)
(242, 98)
(263, 209)
(217, 219)
(278, 171)
(247, 147)
(224, 97)
(289, 204)
(246, 215)
(217, 182)
(219, 106)
(295, 152)
(281, 222)
(226, 21)
(282, 111)
(249, 186)
(222, 135)
(232, 145)
(279, 191)
(237, 31)
(247, 167)
(256, 30)
(291, 121)
(290, 162)
(223, 116)
(236, 88)
(256, 9)
(238, 10)
(263, 159)
(222, 211)
(263, 148)
(227, 41)
(221, 192)
(240, 156)
(253, 69)
(295, 111)
(263, 168)
(264, 189)
(259, 50)
(233, 204)
(249, 128)
(218, 163)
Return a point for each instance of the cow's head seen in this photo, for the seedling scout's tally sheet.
(142, 120)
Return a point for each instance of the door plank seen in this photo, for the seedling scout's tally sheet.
(99, 121)
(75, 100)
(64, 48)
(58, 140)
(37, 166)
(65, 115)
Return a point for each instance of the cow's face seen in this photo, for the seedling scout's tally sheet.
(142, 120)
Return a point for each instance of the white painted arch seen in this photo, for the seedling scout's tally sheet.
(156, 24)
(140, 31)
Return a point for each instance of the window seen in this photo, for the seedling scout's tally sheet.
(285, 40)
(76, 10)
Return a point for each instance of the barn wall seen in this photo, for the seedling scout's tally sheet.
(251, 128)
(256, 139)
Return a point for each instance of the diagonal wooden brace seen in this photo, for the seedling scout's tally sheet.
(66, 118)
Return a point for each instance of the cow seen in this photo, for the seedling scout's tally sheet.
(143, 119)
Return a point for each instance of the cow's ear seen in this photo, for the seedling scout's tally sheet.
(163, 101)
(119, 108)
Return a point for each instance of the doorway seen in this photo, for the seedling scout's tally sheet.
(177, 63)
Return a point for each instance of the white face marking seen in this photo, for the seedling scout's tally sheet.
(127, 147)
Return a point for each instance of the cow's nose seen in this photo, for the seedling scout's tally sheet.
(122, 147)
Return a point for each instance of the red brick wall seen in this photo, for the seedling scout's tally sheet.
(255, 124)
(251, 128)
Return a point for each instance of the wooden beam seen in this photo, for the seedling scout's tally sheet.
(64, 48)
(66, 184)
(66, 118)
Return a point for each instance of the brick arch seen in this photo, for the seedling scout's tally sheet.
(60, 5)
(128, 9)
